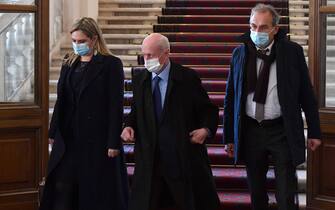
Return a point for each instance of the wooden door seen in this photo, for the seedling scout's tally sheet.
(321, 164)
(24, 63)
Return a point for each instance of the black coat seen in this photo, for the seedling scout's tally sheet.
(187, 107)
(295, 93)
(98, 122)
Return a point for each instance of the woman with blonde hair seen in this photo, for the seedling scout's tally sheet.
(86, 169)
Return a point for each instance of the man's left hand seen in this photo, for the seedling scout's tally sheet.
(199, 136)
(313, 144)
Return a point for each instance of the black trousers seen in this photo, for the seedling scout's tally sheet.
(168, 192)
(261, 140)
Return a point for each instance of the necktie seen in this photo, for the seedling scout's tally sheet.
(259, 111)
(157, 98)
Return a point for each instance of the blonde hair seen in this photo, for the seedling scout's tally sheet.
(90, 28)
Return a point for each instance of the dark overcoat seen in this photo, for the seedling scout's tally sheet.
(295, 94)
(187, 107)
(98, 122)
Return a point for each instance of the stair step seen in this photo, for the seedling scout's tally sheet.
(106, 26)
(298, 10)
(213, 11)
(237, 28)
(202, 37)
(118, 9)
(127, 20)
(220, 3)
(196, 47)
(122, 18)
(131, 1)
(228, 178)
(202, 59)
(124, 36)
(232, 178)
(54, 73)
(127, 29)
(210, 19)
(298, 3)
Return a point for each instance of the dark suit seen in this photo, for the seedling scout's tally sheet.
(283, 138)
(164, 147)
(83, 130)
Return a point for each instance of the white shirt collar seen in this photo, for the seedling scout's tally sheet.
(164, 74)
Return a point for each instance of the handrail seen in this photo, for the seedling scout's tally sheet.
(7, 24)
(19, 84)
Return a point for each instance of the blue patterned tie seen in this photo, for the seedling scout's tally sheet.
(157, 98)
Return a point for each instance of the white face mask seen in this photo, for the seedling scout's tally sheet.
(153, 65)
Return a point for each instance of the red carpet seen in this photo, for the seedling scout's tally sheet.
(190, 47)
(213, 10)
(223, 3)
(227, 178)
(180, 37)
(203, 35)
(236, 28)
(205, 19)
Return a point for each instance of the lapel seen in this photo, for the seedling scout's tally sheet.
(175, 76)
(93, 70)
(243, 76)
(281, 65)
(145, 96)
(68, 77)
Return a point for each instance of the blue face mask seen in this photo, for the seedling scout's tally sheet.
(260, 39)
(81, 49)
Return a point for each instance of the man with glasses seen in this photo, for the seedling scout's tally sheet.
(267, 88)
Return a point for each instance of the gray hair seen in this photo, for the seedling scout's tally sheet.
(266, 8)
(164, 43)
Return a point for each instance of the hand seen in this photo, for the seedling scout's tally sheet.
(230, 150)
(199, 136)
(128, 134)
(51, 141)
(313, 144)
(113, 152)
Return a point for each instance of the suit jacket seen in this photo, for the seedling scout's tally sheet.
(295, 93)
(187, 107)
(97, 114)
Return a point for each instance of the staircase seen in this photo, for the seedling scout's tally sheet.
(202, 35)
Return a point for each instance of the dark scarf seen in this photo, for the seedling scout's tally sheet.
(260, 85)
